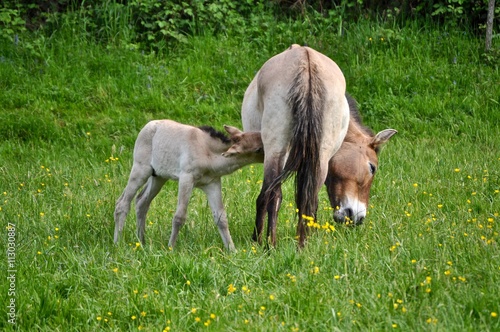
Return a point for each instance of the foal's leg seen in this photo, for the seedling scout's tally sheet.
(138, 176)
(143, 201)
(214, 196)
(186, 185)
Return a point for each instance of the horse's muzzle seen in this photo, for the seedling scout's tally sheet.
(347, 216)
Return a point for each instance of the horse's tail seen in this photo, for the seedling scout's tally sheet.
(306, 100)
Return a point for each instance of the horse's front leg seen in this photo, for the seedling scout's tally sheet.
(214, 196)
(186, 184)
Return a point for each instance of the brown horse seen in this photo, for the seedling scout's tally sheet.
(352, 168)
(298, 102)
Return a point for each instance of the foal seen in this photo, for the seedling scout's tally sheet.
(195, 157)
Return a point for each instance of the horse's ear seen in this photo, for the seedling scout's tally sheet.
(233, 131)
(381, 138)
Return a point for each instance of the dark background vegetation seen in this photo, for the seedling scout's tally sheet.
(153, 23)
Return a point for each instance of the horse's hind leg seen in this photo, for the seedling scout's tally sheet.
(143, 202)
(269, 201)
(138, 176)
(186, 185)
(214, 196)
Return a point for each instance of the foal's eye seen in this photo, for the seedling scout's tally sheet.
(373, 168)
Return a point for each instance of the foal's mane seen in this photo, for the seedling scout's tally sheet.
(215, 134)
(356, 116)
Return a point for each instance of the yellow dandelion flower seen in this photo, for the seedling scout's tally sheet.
(133, 317)
(99, 318)
(143, 314)
(193, 310)
(272, 297)
(115, 270)
(197, 319)
(231, 289)
(212, 316)
(494, 314)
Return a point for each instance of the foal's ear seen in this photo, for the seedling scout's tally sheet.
(381, 138)
(233, 131)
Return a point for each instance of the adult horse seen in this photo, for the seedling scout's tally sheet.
(298, 102)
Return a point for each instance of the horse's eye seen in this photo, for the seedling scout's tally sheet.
(373, 168)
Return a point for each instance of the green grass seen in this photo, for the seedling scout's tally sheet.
(427, 257)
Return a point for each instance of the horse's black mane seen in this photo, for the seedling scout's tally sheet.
(216, 134)
(356, 116)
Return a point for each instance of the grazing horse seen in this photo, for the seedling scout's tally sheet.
(196, 157)
(352, 168)
(297, 100)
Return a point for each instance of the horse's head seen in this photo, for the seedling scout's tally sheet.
(352, 168)
(245, 144)
(350, 176)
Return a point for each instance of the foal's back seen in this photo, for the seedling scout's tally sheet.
(175, 148)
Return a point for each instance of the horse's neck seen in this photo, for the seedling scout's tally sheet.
(355, 133)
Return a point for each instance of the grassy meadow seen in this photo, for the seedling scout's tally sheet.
(426, 259)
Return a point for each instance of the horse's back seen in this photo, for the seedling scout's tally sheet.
(266, 105)
(166, 145)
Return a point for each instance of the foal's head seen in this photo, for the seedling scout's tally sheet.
(352, 168)
(245, 144)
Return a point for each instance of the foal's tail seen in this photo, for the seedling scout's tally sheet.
(306, 100)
